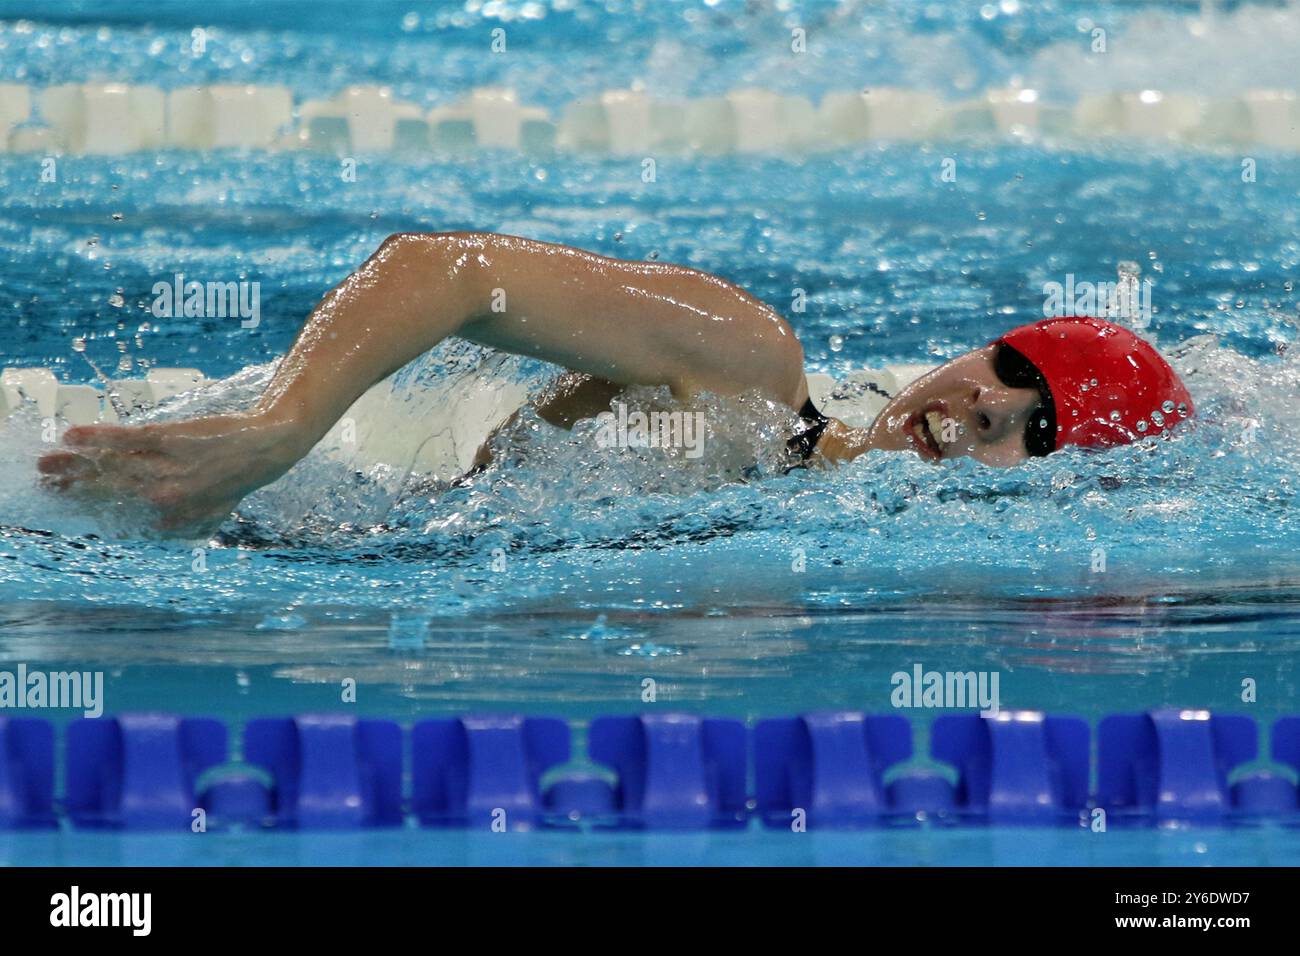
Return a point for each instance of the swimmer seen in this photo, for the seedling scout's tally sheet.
(614, 324)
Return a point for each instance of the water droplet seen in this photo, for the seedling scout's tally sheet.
(1182, 409)
(116, 300)
(982, 216)
(1157, 419)
(836, 343)
(1142, 425)
(79, 344)
(1167, 407)
(1114, 416)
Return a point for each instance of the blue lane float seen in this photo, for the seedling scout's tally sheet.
(1015, 766)
(329, 771)
(26, 773)
(138, 771)
(675, 771)
(654, 771)
(1265, 793)
(829, 766)
(484, 770)
(1171, 764)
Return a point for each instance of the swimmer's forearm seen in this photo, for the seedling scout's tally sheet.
(631, 323)
(408, 296)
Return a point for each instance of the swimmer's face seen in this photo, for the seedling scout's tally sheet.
(968, 407)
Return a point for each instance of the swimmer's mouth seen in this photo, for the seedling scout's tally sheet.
(924, 429)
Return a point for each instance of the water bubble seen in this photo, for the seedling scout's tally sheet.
(1182, 409)
(836, 343)
(1142, 425)
(1167, 407)
(116, 300)
(79, 344)
(1157, 419)
(1114, 416)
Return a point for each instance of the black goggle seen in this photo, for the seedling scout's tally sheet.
(1016, 371)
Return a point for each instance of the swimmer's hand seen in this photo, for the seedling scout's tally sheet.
(193, 473)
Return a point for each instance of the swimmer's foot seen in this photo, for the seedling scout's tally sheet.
(192, 473)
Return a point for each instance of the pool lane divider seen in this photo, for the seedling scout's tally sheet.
(654, 771)
(116, 118)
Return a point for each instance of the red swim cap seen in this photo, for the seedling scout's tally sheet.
(1109, 386)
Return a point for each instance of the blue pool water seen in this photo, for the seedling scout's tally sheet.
(615, 570)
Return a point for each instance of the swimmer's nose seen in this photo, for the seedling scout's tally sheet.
(994, 412)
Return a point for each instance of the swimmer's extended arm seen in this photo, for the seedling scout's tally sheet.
(625, 322)
(631, 323)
